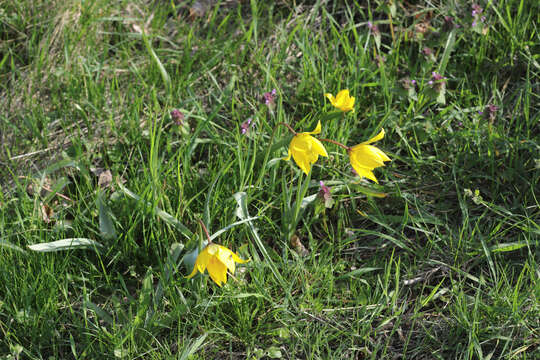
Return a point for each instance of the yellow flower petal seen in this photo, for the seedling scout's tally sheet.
(217, 271)
(288, 155)
(192, 273)
(202, 261)
(342, 96)
(363, 172)
(366, 156)
(305, 149)
(302, 161)
(317, 129)
(237, 259)
(379, 153)
(226, 257)
(318, 147)
(377, 137)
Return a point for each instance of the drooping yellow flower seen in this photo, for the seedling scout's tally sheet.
(305, 149)
(342, 101)
(216, 259)
(364, 157)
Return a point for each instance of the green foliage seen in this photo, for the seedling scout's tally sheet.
(440, 260)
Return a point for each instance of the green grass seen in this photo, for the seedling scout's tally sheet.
(445, 266)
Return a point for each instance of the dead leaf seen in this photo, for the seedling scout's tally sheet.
(46, 213)
(105, 179)
(298, 246)
(197, 10)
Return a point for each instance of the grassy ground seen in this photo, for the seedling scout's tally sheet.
(440, 260)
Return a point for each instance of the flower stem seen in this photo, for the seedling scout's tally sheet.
(205, 231)
(288, 127)
(337, 143)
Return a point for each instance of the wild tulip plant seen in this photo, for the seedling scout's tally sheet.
(305, 149)
(216, 259)
(364, 158)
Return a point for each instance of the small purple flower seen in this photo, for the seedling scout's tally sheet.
(427, 51)
(449, 22)
(483, 19)
(326, 195)
(246, 125)
(324, 189)
(177, 116)
(477, 9)
(473, 23)
(491, 111)
(492, 108)
(373, 27)
(436, 76)
(437, 81)
(269, 97)
(480, 112)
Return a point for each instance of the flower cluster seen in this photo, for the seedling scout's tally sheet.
(477, 14)
(305, 149)
(437, 81)
(247, 125)
(364, 158)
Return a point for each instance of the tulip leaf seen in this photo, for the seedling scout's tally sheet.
(219, 232)
(206, 215)
(68, 163)
(7, 244)
(357, 272)
(192, 348)
(448, 48)
(508, 247)
(145, 297)
(66, 244)
(106, 225)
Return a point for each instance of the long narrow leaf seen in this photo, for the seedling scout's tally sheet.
(66, 244)
(7, 244)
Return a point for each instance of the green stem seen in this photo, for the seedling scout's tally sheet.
(270, 148)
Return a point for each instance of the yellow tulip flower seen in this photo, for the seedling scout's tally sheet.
(305, 149)
(342, 101)
(216, 259)
(364, 157)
